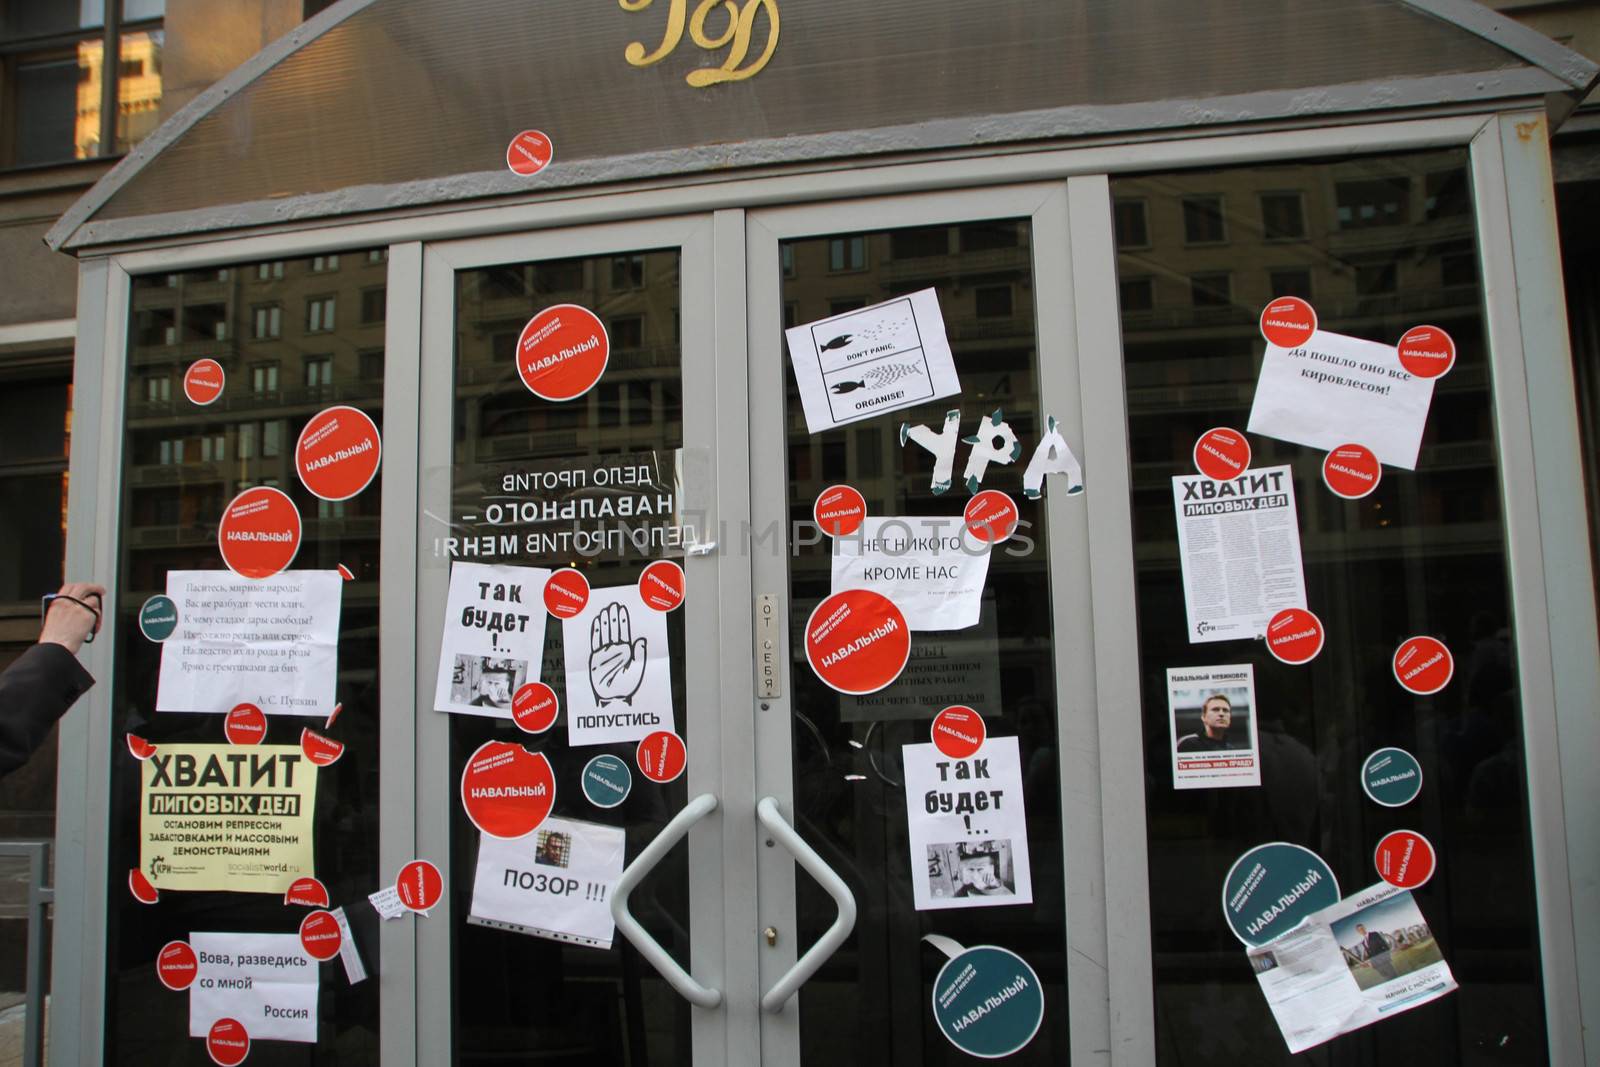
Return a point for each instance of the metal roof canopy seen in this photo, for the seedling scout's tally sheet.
(377, 105)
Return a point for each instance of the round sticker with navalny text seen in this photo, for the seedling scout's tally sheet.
(420, 885)
(1426, 351)
(1404, 859)
(661, 586)
(260, 532)
(1272, 888)
(322, 751)
(991, 516)
(177, 965)
(140, 887)
(958, 731)
(988, 1001)
(140, 748)
(529, 152)
(1294, 636)
(607, 781)
(1288, 322)
(246, 724)
(228, 1043)
(338, 453)
(320, 935)
(1391, 777)
(307, 892)
(566, 593)
(839, 510)
(507, 790)
(534, 708)
(1222, 454)
(203, 381)
(661, 756)
(857, 641)
(1351, 471)
(562, 352)
(1423, 665)
(158, 618)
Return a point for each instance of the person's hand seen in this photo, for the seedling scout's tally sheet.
(616, 661)
(68, 623)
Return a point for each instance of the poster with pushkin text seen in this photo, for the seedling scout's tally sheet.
(555, 883)
(493, 638)
(1239, 547)
(232, 818)
(271, 642)
(619, 673)
(871, 360)
(265, 981)
(1336, 389)
(967, 827)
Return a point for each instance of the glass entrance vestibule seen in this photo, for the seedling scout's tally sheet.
(1114, 304)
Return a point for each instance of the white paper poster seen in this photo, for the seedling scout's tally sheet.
(265, 981)
(554, 883)
(967, 828)
(881, 358)
(1334, 390)
(953, 668)
(493, 637)
(1213, 718)
(1239, 543)
(1362, 960)
(272, 642)
(930, 566)
(619, 675)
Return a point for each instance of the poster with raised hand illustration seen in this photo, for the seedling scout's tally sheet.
(874, 359)
(619, 675)
(493, 636)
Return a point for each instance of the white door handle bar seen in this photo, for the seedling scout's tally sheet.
(807, 965)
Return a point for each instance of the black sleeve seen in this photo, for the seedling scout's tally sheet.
(35, 691)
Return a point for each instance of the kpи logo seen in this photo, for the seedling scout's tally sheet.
(1202, 628)
(159, 865)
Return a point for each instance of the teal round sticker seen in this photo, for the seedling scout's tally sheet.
(1392, 777)
(158, 618)
(606, 781)
(988, 1001)
(1272, 888)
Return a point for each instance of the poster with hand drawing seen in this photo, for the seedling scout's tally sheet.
(619, 674)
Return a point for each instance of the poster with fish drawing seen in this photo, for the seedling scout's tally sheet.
(875, 359)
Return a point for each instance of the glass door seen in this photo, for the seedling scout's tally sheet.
(970, 867)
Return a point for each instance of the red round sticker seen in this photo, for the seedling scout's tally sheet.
(141, 749)
(661, 756)
(1426, 351)
(246, 724)
(320, 935)
(958, 731)
(562, 352)
(1404, 859)
(529, 152)
(534, 708)
(260, 532)
(1423, 665)
(177, 965)
(566, 593)
(506, 789)
(140, 887)
(661, 585)
(1288, 322)
(307, 891)
(228, 1043)
(1294, 636)
(839, 510)
(338, 453)
(857, 641)
(319, 750)
(991, 516)
(1222, 454)
(203, 381)
(1351, 471)
(420, 885)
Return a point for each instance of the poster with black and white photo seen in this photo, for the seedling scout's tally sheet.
(619, 672)
(493, 638)
(1213, 717)
(967, 828)
(1239, 545)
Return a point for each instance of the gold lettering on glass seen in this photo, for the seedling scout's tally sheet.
(736, 34)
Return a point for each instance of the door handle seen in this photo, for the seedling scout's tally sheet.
(836, 935)
(629, 927)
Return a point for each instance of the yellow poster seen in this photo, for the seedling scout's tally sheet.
(227, 817)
